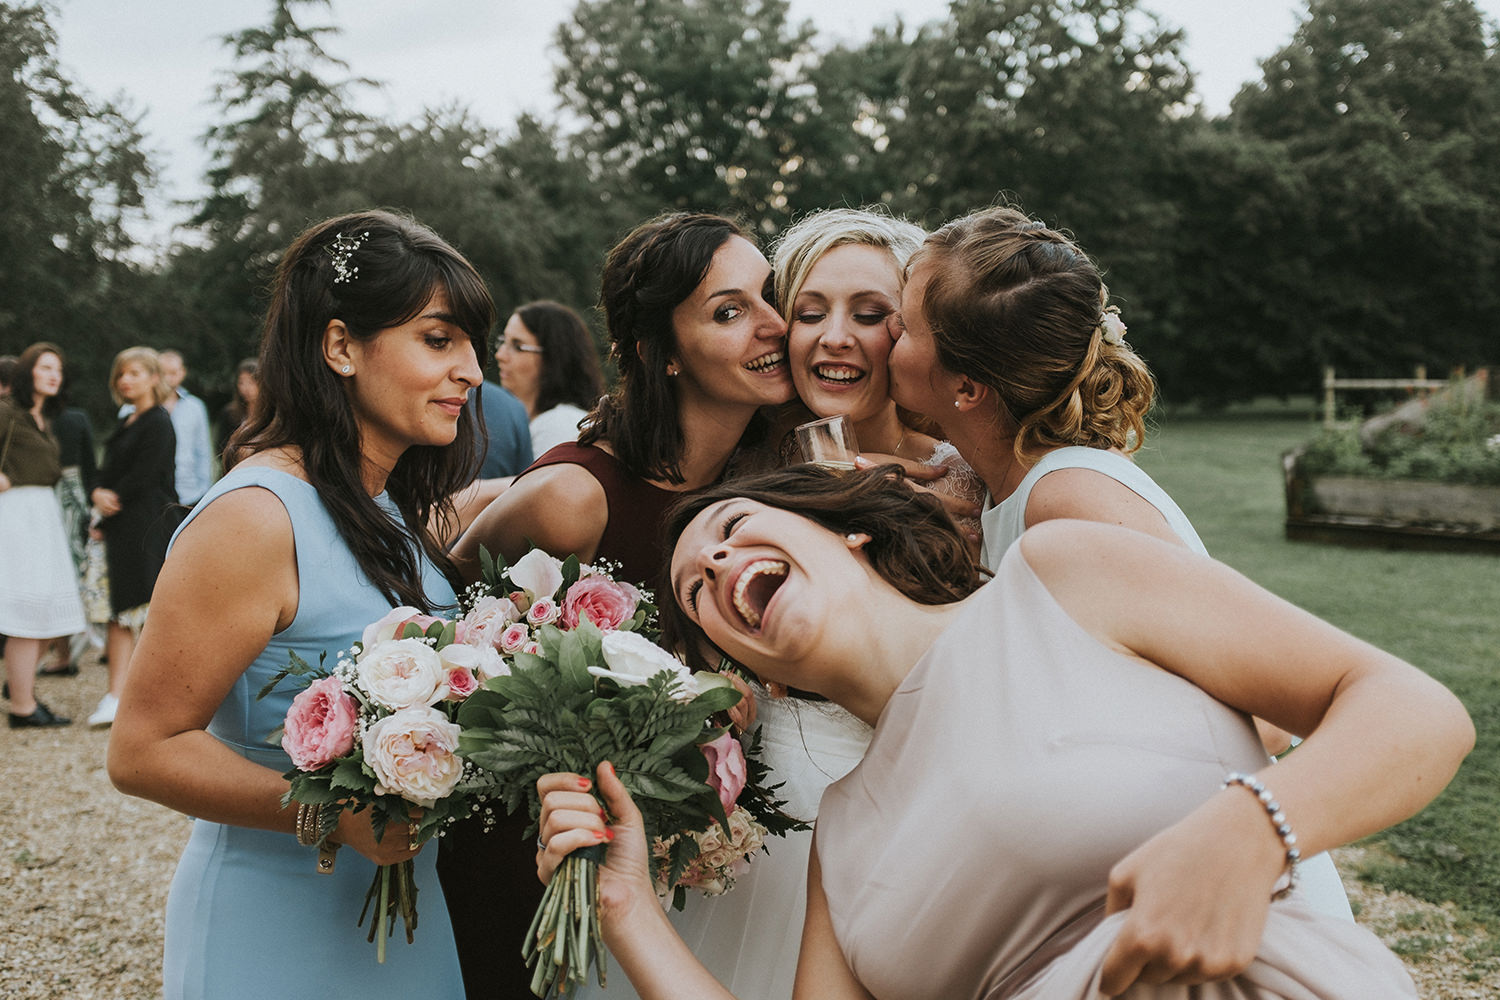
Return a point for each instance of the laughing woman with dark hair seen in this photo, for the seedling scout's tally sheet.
(1013, 831)
(361, 434)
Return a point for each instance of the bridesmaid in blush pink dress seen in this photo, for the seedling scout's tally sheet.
(1013, 832)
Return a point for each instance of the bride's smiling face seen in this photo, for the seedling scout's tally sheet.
(764, 584)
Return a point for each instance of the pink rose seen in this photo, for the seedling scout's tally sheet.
(514, 638)
(320, 724)
(534, 648)
(543, 611)
(606, 603)
(726, 768)
(461, 683)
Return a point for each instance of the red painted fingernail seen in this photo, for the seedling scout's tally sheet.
(601, 835)
(609, 835)
(584, 783)
(610, 766)
(603, 814)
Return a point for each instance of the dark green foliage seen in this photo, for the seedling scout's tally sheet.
(1346, 211)
(75, 173)
(546, 716)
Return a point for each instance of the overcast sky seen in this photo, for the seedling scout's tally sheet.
(495, 56)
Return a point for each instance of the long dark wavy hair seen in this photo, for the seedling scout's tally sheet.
(914, 544)
(23, 384)
(570, 366)
(303, 403)
(646, 276)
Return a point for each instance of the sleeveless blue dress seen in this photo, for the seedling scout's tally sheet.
(247, 914)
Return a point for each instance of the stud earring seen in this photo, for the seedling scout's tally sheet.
(347, 369)
(672, 371)
(957, 404)
(852, 537)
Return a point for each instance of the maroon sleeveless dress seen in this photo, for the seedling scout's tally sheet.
(489, 879)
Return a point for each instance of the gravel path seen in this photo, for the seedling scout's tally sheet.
(85, 870)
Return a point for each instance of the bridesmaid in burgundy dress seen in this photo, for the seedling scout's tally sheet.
(700, 349)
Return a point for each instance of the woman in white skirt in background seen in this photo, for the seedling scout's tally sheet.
(38, 589)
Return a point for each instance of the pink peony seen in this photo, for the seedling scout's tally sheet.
(461, 683)
(320, 725)
(726, 768)
(413, 753)
(606, 603)
(485, 621)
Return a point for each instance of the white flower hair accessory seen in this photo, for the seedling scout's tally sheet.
(1111, 327)
(340, 251)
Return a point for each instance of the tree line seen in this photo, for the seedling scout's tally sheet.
(1344, 211)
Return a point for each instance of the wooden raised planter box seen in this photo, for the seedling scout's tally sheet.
(1395, 513)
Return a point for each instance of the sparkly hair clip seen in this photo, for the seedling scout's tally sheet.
(340, 251)
(1111, 327)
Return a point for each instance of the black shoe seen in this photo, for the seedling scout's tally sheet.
(41, 716)
(65, 670)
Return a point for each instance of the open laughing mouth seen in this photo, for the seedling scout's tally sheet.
(756, 585)
(838, 374)
(766, 362)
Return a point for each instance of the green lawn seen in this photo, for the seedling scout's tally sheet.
(1441, 611)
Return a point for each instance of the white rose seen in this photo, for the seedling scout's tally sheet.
(537, 573)
(386, 627)
(483, 661)
(745, 831)
(633, 659)
(413, 755)
(402, 673)
(704, 680)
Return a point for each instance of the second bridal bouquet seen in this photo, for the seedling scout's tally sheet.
(585, 682)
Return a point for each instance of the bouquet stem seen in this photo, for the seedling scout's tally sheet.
(404, 903)
(565, 937)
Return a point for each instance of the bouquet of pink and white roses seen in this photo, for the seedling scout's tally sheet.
(586, 683)
(378, 731)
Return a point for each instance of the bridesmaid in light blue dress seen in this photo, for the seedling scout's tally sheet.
(1009, 343)
(331, 518)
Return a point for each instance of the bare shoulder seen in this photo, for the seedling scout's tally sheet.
(1086, 495)
(561, 508)
(241, 544)
(237, 524)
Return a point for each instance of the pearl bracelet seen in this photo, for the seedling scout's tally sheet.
(1288, 878)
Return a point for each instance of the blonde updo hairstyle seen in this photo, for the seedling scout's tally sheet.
(800, 248)
(1019, 308)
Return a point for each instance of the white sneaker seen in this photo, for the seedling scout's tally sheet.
(104, 715)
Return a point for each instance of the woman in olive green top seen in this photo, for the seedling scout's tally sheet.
(38, 590)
